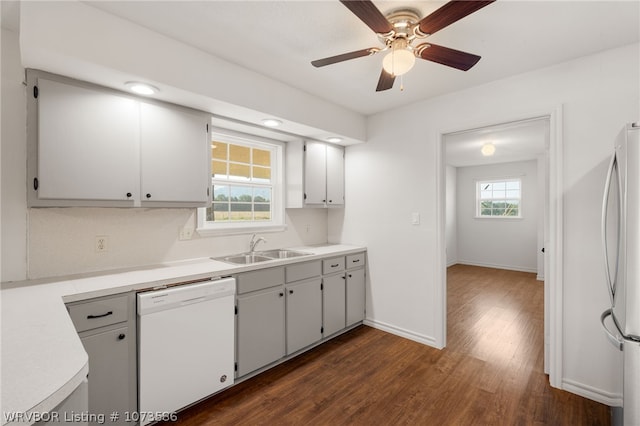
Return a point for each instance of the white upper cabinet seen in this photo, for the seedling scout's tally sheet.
(92, 146)
(315, 174)
(87, 144)
(335, 175)
(175, 149)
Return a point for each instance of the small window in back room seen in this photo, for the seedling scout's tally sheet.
(246, 181)
(499, 198)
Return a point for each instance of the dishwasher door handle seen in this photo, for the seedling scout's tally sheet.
(192, 301)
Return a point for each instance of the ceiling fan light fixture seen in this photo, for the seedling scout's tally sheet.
(488, 149)
(400, 59)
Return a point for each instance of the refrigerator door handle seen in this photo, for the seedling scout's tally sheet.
(611, 287)
(615, 340)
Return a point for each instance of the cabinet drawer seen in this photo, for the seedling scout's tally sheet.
(99, 313)
(301, 271)
(333, 264)
(355, 260)
(257, 280)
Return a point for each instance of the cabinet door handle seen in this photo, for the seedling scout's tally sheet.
(121, 336)
(100, 316)
(128, 195)
(290, 291)
(350, 275)
(281, 294)
(331, 201)
(148, 195)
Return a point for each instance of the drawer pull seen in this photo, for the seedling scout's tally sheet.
(355, 260)
(100, 316)
(335, 265)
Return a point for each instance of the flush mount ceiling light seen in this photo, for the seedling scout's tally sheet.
(334, 139)
(141, 88)
(271, 122)
(488, 149)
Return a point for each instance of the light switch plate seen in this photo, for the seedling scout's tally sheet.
(415, 218)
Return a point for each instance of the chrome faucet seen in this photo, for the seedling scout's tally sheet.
(254, 242)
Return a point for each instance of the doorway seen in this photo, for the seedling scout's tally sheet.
(528, 150)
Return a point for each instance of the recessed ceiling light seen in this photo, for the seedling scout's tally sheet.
(488, 149)
(141, 88)
(271, 122)
(334, 139)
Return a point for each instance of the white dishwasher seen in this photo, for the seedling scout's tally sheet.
(186, 343)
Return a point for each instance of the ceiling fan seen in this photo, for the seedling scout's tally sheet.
(400, 28)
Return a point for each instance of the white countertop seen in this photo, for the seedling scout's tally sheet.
(43, 360)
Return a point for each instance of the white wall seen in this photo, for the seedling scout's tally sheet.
(52, 242)
(451, 229)
(14, 159)
(598, 94)
(496, 242)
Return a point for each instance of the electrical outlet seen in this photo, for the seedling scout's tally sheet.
(102, 243)
(185, 233)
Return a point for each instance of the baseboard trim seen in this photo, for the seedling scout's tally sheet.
(407, 334)
(490, 265)
(598, 395)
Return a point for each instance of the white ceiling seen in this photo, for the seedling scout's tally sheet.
(279, 39)
(518, 141)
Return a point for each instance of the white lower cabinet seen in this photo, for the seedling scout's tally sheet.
(304, 314)
(283, 310)
(106, 327)
(355, 286)
(260, 330)
(333, 303)
(260, 319)
(355, 292)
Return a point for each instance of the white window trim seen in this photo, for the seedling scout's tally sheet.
(278, 220)
(499, 179)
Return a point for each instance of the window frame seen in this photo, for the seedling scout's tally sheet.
(478, 202)
(278, 221)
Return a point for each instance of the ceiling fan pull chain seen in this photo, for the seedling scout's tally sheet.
(402, 83)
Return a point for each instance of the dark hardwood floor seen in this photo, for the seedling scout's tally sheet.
(490, 373)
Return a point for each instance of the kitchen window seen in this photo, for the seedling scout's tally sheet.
(499, 198)
(246, 186)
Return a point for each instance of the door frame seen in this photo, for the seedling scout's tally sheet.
(554, 230)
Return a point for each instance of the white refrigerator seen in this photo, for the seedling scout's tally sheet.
(621, 246)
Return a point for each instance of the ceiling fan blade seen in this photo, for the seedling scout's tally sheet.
(344, 57)
(447, 56)
(369, 14)
(385, 82)
(450, 13)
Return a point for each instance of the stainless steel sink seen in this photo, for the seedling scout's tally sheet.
(260, 256)
(282, 254)
(244, 259)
